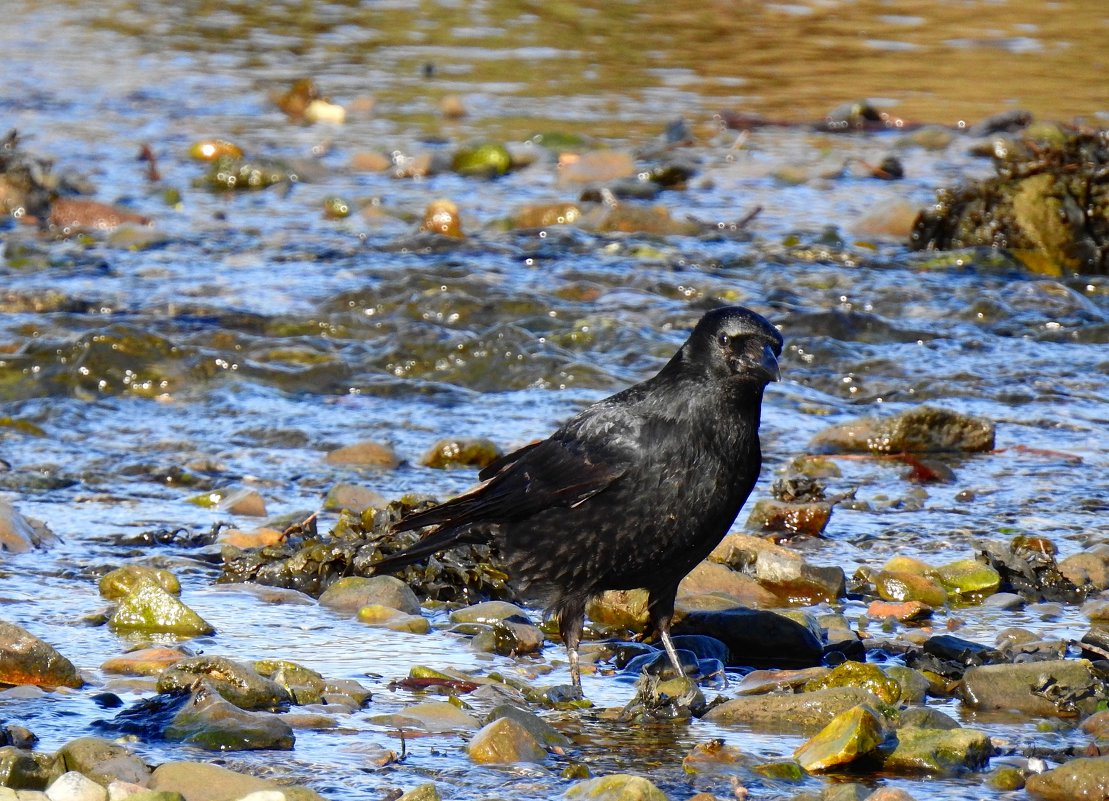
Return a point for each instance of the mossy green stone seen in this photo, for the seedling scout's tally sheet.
(149, 608)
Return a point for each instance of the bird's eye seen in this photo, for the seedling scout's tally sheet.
(724, 339)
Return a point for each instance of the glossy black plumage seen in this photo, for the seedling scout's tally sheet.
(632, 492)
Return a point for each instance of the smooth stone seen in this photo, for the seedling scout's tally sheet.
(144, 662)
(1083, 778)
(25, 659)
(938, 752)
(757, 638)
(122, 581)
(615, 787)
(304, 685)
(864, 675)
(240, 684)
(215, 724)
(353, 497)
(487, 612)
(712, 578)
(852, 734)
(30, 770)
(19, 534)
(72, 786)
(244, 501)
(202, 781)
(1015, 687)
(504, 741)
(433, 716)
(541, 730)
(425, 792)
(924, 429)
(101, 760)
(1089, 568)
(353, 592)
(620, 609)
(794, 711)
(461, 452)
(366, 453)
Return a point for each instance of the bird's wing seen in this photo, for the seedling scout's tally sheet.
(554, 472)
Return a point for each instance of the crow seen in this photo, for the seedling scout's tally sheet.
(633, 492)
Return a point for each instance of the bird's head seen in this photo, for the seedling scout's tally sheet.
(734, 342)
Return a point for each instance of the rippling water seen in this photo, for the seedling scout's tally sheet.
(254, 334)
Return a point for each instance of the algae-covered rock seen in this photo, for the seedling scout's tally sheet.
(615, 787)
(482, 159)
(122, 580)
(442, 217)
(621, 609)
(924, 429)
(938, 752)
(149, 608)
(899, 586)
(1063, 687)
(795, 711)
(545, 734)
(425, 792)
(863, 675)
(101, 760)
(211, 722)
(25, 659)
(24, 770)
(850, 735)
(967, 577)
(808, 519)
(304, 685)
(238, 683)
(504, 741)
(1047, 204)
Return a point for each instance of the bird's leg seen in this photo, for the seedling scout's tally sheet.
(660, 608)
(571, 622)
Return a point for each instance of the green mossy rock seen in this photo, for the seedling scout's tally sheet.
(615, 787)
(849, 736)
(149, 608)
(123, 580)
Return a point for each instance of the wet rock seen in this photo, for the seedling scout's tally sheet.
(1089, 568)
(241, 685)
(504, 741)
(850, 735)
(354, 498)
(757, 638)
(123, 580)
(425, 792)
(460, 452)
(544, 215)
(303, 685)
(904, 611)
(714, 757)
(967, 578)
(1027, 566)
(24, 770)
(1065, 688)
(70, 213)
(482, 160)
(149, 608)
(664, 696)
(711, 578)
(203, 781)
(230, 174)
(780, 570)
(863, 675)
(367, 453)
(488, 612)
(894, 585)
(433, 716)
(243, 501)
(213, 723)
(925, 717)
(19, 534)
(913, 684)
(441, 219)
(354, 592)
(1077, 779)
(924, 429)
(25, 659)
(19, 736)
(254, 538)
(758, 682)
(394, 619)
(511, 637)
(543, 733)
(72, 786)
(808, 519)
(615, 787)
(101, 760)
(941, 752)
(793, 712)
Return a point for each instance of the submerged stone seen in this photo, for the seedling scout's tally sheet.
(1064, 688)
(792, 712)
(433, 716)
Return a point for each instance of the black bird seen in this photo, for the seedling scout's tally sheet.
(632, 492)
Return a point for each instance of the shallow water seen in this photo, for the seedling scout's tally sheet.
(279, 334)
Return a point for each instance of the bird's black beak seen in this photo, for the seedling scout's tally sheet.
(767, 365)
